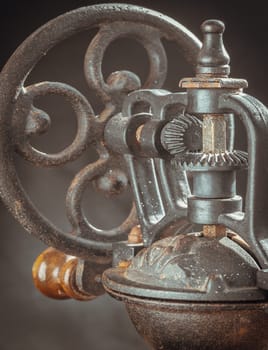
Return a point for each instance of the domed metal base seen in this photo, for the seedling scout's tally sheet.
(190, 267)
(193, 293)
(200, 326)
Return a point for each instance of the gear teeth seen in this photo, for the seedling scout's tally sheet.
(243, 155)
(236, 159)
(173, 134)
(199, 160)
(229, 159)
(221, 159)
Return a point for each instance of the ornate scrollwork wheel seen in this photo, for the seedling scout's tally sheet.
(19, 118)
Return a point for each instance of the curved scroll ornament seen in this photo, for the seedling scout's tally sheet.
(19, 118)
(29, 120)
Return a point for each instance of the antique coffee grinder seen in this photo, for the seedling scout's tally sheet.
(191, 260)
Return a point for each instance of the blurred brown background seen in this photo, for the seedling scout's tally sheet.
(29, 320)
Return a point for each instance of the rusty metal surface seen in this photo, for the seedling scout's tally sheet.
(228, 296)
(225, 281)
(160, 190)
(189, 267)
(208, 82)
(20, 119)
(196, 326)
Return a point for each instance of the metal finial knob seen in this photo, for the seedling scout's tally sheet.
(213, 26)
(213, 59)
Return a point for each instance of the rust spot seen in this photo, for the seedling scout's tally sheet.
(210, 82)
(124, 264)
(135, 235)
(212, 231)
(242, 331)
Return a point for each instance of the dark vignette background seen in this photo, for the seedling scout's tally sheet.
(29, 320)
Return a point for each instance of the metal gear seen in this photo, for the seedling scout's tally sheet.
(222, 161)
(182, 134)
